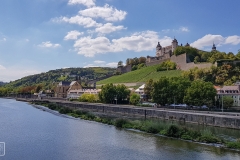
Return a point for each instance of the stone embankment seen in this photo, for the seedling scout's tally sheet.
(219, 119)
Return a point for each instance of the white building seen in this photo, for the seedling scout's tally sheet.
(141, 92)
(231, 91)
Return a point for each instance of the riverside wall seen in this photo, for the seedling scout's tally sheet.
(219, 119)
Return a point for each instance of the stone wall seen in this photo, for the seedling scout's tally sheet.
(227, 120)
(124, 69)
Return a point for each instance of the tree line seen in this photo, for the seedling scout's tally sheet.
(179, 90)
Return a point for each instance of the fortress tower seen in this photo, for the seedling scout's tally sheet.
(174, 44)
(158, 50)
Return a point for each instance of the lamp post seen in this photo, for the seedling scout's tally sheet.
(174, 102)
(222, 102)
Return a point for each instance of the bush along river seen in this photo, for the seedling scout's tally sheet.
(162, 128)
(54, 132)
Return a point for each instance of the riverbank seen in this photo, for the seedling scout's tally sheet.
(149, 126)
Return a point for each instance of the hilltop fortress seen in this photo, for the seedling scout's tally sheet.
(166, 53)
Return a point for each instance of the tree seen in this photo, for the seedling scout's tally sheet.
(122, 92)
(148, 88)
(142, 59)
(108, 93)
(196, 59)
(134, 99)
(227, 101)
(160, 93)
(178, 86)
(200, 93)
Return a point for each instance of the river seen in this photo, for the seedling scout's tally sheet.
(31, 134)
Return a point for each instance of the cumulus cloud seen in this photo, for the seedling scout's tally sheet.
(137, 42)
(86, 22)
(88, 46)
(73, 35)
(88, 3)
(209, 39)
(48, 44)
(108, 28)
(235, 40)
(2, 67)
(107, 12)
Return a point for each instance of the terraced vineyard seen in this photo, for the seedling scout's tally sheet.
(141, 75)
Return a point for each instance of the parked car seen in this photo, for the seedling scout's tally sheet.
(204, 107)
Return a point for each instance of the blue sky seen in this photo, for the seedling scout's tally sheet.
(41, 35)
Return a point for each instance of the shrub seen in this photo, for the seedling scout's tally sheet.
(186, 137)
(234, 145)
(208, 137)
(65, 110)
(120, 122)
(79, 112)
(134, 99)
(173, 131)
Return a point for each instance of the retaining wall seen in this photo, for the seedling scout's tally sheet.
(227, 120)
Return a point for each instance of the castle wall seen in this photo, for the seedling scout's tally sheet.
(124, 69)
(156, 62)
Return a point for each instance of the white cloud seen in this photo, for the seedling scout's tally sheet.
(207, 40)
(88, 3)
(48, 44)
(142, 41)
(234, 40)
(181, 29)
(90, 65)
(112, 64)
(13, 73)
(89, 47)
(2, 67)
(219, 40)
(137, 42)
(184, 29)
(107, 12)
(99, 62)
(108, 28)
(86, 22)
(27, 40)
(73, 35)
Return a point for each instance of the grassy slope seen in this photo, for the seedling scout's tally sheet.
(141, 75)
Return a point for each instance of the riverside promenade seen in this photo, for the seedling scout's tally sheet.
(219, 119)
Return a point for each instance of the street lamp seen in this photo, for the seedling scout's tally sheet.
(222, 102)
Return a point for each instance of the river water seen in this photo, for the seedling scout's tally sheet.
(32, 134)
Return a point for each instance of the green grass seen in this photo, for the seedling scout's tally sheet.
(141, 75)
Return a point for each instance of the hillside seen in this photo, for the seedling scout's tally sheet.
(48, 79)
(141, 75)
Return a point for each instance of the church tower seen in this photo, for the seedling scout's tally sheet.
(174, 44)
(214, 48)
(158, 50)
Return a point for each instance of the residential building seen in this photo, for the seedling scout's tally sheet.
(231, 91)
